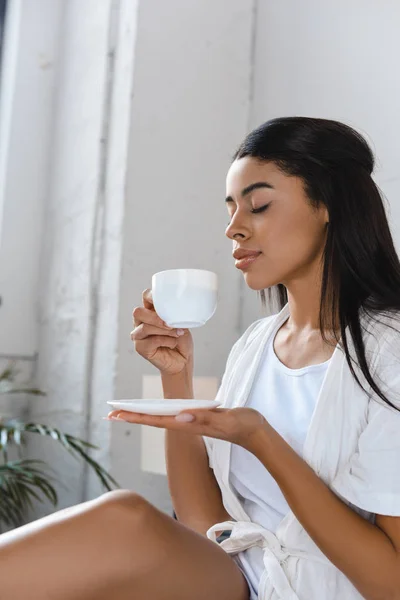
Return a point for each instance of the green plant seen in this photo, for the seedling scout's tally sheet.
(23, 481)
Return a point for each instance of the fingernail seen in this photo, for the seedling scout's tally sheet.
(184, 417)
(180, 332)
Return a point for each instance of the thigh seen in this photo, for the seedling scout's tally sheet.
(73, 554)
(119, 547)
(183, 564)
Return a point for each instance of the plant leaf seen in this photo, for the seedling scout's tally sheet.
(9, 386)
(75, 446)
(25, 480)
(9, 372)
(25, 390)
(19, 481)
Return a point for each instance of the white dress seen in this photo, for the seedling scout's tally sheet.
(352, 444)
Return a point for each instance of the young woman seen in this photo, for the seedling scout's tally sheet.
(291, 490)
(306, 451)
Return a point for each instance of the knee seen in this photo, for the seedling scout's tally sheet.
(122, 498)
(124, 508)
(125, 522)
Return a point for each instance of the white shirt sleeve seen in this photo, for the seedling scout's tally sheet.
(371, 479)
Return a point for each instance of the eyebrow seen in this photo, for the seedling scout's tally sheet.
(250, 188)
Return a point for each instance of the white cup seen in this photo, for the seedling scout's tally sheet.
(185, 298)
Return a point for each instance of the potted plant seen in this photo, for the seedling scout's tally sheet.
(22, 481)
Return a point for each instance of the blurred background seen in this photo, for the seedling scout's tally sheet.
(118, 120)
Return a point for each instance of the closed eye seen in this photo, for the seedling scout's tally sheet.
(255, 211)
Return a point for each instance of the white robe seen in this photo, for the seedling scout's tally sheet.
(353, 445)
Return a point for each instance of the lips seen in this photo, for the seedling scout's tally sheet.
(245, 258)
(240, 253)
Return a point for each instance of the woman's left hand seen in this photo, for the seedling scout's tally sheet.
(237, 425)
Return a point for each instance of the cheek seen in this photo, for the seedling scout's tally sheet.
(295, 238)
(278, 232)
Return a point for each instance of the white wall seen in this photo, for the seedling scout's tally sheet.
(152, 99)
(190, 109)
(143, 134)
(26, 121)
(336, 60)
(73, 243)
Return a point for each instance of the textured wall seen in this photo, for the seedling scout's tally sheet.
(152, 99)
(190, 110)
(70, 252)
(144, 129)
(336, 60)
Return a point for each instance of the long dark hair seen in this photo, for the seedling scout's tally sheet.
(361, 269)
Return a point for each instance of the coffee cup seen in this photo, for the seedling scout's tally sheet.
(185, 298)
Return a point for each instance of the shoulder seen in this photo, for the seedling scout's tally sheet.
(381, 335)
(382, 348)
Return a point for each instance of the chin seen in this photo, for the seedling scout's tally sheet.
(258, 283)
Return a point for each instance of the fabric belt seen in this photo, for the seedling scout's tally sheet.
(244, 535)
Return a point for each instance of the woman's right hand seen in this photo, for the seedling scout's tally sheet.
(156, 342)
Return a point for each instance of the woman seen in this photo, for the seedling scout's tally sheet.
(297, 477)
(311, 478)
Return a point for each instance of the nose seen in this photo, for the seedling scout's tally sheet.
(237, 228)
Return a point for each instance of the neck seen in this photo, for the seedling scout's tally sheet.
(304, 311)
(304, 297)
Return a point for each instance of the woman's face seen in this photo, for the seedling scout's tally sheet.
(289, 234)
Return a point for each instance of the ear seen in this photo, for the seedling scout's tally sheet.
(325, 216)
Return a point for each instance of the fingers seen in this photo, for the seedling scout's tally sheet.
(160, 421)
(152, 420)
(143, 331)
(150, 317)
(149, 346)
(201, 419)
(147, 299)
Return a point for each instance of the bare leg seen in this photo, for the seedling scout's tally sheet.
(118, 547)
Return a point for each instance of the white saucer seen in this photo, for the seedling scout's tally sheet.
(161, 407)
